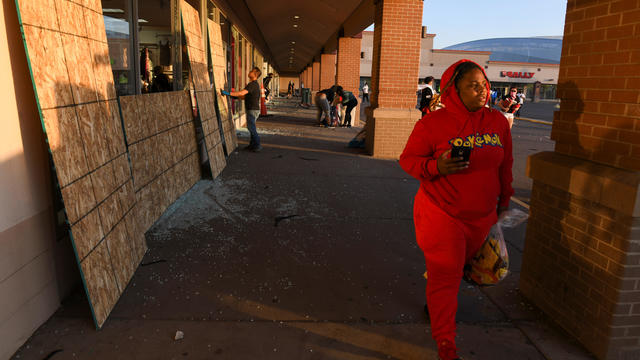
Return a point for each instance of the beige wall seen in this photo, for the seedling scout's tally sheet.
(367, 49)
(32, 262)
(441, 60)
(284, 82)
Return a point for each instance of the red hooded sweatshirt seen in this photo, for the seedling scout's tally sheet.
(475, 192)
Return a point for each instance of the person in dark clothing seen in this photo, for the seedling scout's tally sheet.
(349, 101)
(323, 99)
(160, 81)
(426, 95)
(265, 84)
(251, 96)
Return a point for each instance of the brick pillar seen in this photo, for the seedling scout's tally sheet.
(348, 70)
(581, 262)
(308, 81)
(315, 76)
(327, 70)
(394, 76)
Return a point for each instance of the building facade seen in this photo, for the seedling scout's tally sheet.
(433, 62)
(38, 261)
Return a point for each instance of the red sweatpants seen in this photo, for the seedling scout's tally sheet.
(447, 243)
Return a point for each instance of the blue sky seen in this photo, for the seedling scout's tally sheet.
(457, 21)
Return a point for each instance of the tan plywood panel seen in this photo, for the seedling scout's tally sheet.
(71, 18)
(105, 89)
(104, 181)
(110, 212)
(95, 5)
(149, 106)
(94, 24)
(32, 14)
(115, 134)
(218, 61)
(121, 254)
(136, 232)
(76, 50)
(197, 53)
(87, 233)
(121, 169)
(48, 67)
(100, 281)
(71, 73)
(92, 121)
(127, 196)
(132, 124)
(65, 143)
(80, 198)
(155, 158)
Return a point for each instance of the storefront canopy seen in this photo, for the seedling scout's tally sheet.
(291, 34)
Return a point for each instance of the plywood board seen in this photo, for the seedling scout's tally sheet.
(197, 52)
(157, 152)
(68, 56)
(218, 61)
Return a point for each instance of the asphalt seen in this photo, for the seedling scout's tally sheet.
(305, 250)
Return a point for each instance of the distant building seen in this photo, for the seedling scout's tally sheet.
(521, 62)
(530, 50)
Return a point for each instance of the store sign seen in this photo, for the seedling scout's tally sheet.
(513, 74)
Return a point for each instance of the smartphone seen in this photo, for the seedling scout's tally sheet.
(463, 152)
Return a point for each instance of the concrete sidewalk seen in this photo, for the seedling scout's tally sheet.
(303, 251)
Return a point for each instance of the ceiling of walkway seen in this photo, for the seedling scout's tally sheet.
(296, 31)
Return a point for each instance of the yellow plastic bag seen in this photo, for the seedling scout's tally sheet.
(491, 263)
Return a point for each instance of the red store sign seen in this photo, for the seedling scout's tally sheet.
(512, 74)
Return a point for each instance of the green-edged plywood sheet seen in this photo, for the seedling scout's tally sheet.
(197, 53)
(218, 61)
(68, 54)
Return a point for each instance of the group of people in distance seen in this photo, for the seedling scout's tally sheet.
(330, 102)
(510, 104)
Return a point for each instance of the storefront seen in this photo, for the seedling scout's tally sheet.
(144, 58)
(535, 79)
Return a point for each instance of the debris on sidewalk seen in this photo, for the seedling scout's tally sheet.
(179, 335)
(280, 218)
(153, 262)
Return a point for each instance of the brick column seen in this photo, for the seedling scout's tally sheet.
(394, 76)
(581, 261)
(348, 70)
(308, 81)
(327, 70)
(315, 76)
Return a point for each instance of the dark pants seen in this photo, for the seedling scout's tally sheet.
(350, 105)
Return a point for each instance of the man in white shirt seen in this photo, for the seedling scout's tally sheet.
(365, 92)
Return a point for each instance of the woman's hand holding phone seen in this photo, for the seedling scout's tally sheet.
(448, 165)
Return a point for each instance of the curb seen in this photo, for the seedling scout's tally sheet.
(536, 121)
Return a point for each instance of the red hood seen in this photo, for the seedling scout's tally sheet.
(450, 97)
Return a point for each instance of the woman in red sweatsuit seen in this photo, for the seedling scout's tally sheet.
(458, 201)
